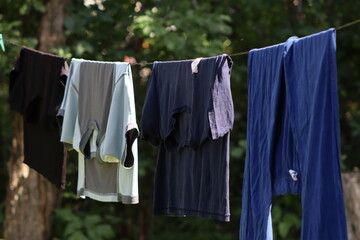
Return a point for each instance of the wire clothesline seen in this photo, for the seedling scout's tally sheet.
(144, 63)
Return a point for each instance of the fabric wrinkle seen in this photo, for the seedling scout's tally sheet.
(293, 137)
(36, 91)
(99, 122)
(192, 168)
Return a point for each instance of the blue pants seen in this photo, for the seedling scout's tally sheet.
(293, 137)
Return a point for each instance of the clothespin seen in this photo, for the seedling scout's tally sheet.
(2, 43)
(194, 65)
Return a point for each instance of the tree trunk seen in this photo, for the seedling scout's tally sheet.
(351, 183)
(30, 198)
(51, 32)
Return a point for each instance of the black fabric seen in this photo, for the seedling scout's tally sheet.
(36, 91)
(131, 136)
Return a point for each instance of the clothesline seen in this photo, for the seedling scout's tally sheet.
(144, 63)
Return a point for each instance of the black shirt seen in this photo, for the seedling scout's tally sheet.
(36, 90)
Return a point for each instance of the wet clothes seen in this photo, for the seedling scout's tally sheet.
(293, 137)
(190, 115)
(99, 121)
(36, 90)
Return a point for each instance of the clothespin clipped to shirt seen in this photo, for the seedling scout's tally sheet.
(2, 43)
(194, 65)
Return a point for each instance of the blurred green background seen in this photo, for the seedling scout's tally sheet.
(171, 30)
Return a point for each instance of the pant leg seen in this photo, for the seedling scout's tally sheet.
(310, 75)
(265, 81)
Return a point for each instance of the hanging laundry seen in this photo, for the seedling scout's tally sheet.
(293, 137)
(99, 121)
(190, 115)
(36, 89)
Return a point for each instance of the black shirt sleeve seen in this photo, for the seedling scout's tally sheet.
(150, 119)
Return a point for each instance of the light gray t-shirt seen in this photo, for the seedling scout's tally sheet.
(99, 122)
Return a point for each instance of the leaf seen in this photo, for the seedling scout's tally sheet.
(73, 226)
(24, 9)
(77, 236)
(290, 221)
(39, 6)
(105, 231)
(65, 214)
(284, 229)
(236, 152)
(92, 220)
(276, 213)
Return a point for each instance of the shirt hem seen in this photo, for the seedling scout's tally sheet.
(179, 212)
(111, 197)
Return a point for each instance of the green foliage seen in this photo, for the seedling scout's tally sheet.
(80, 225)
(166, 228)
(286, 217)
(239, 150)
(177, 28)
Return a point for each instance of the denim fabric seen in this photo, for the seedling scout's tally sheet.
(293, 137)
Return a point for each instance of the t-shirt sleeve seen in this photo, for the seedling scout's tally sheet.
(122, 129)
(222, 115)
(67, 114)
(63, 81)
(150, 120)
(132, 130)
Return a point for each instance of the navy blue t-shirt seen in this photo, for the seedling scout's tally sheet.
(190, 116)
